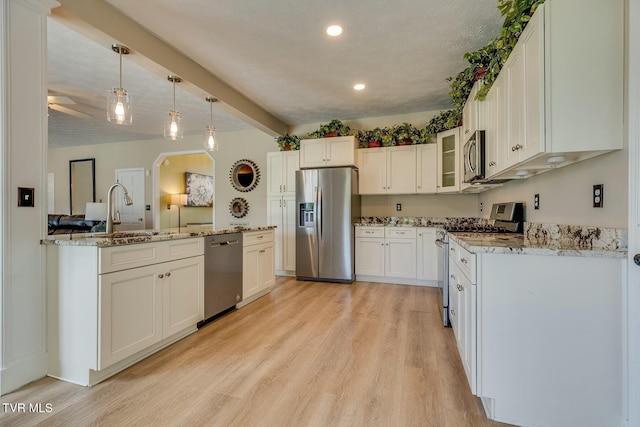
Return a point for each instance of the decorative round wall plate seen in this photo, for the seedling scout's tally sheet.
(244, 175)
(239, 207)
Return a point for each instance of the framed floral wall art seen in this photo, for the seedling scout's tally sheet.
(199, 189)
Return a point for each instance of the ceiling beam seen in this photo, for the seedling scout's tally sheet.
(100, 15)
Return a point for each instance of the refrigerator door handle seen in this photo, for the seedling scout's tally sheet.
(315, 222)
(320, 209)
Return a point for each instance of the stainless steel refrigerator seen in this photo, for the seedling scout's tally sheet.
(327, 205)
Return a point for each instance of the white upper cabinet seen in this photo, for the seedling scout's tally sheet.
(427, 168)
(559, 105)
(472, 114)
(449, 161)
(387, 170)
(281, 173)
(495, 127)
(525, 96)
(324, 152)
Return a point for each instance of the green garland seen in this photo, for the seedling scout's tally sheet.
(485, 63)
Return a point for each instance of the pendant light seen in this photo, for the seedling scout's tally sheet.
(119, 109)
(210, 144)
(173, 125)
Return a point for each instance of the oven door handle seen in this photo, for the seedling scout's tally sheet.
(439, 243)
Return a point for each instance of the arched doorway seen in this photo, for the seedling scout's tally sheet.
(170, 171)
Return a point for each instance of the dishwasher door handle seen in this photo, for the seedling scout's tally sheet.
(217, 244)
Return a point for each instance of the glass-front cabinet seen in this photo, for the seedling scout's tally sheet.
(448, 164)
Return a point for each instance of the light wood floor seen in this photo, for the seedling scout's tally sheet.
(307, 354)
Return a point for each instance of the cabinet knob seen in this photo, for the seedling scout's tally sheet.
(636, 259)
(167, 275)
(160, 276)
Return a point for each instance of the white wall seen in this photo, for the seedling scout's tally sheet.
(565, 194)
(430, 205)
(23, 136)
(253, 145)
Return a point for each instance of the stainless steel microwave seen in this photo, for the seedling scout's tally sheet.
(473, 157)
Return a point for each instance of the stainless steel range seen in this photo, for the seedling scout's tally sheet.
(504, 218)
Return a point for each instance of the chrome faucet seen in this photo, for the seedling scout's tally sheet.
(127, 201)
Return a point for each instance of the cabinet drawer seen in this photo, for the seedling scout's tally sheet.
(400, 232)
(255, 237)
(123, 257)
(370, 231)
(185, 248)
(464, 259)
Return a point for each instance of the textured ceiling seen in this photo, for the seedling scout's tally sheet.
(277, 54)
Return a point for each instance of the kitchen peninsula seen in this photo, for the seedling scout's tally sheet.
(114, 299)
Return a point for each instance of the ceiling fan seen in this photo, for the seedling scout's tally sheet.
(55, 103)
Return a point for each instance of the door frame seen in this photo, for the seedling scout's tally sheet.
(118, 200)
(631, 303)
(155, 183)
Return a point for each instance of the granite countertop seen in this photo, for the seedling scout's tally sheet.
(549, 239)
(143, 236)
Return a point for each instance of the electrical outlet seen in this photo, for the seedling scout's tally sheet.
(398, 207)
(598, 195)
(536, 201)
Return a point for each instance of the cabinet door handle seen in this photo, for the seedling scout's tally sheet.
(452, 249)
(160, 276)
(463, 260)
(466, 131)
(492, 163)
(453, 312)
(453, 277)
(167, 274)
(260, 237)
(262, 251)
(284, 188)
(281, 188)
(460, 288)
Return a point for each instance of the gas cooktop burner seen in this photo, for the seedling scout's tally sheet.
(477, 228)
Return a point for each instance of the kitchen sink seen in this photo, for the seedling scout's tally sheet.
(120, 234)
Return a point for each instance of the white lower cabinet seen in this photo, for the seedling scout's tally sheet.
(258, 266)
(109, 307)
(403, 255)
(142, 306)
(130, 313)
(281, 212)
(370, 251)
(539, 336)
(400, 252)
(427, 256)
(462, 310)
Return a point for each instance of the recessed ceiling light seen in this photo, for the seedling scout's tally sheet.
(359, 86)
(334, 30)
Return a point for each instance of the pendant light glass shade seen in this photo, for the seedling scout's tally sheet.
(210, 143)
(173, 125)
(119, 102)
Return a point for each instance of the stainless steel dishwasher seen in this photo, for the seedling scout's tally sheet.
(222, 274)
